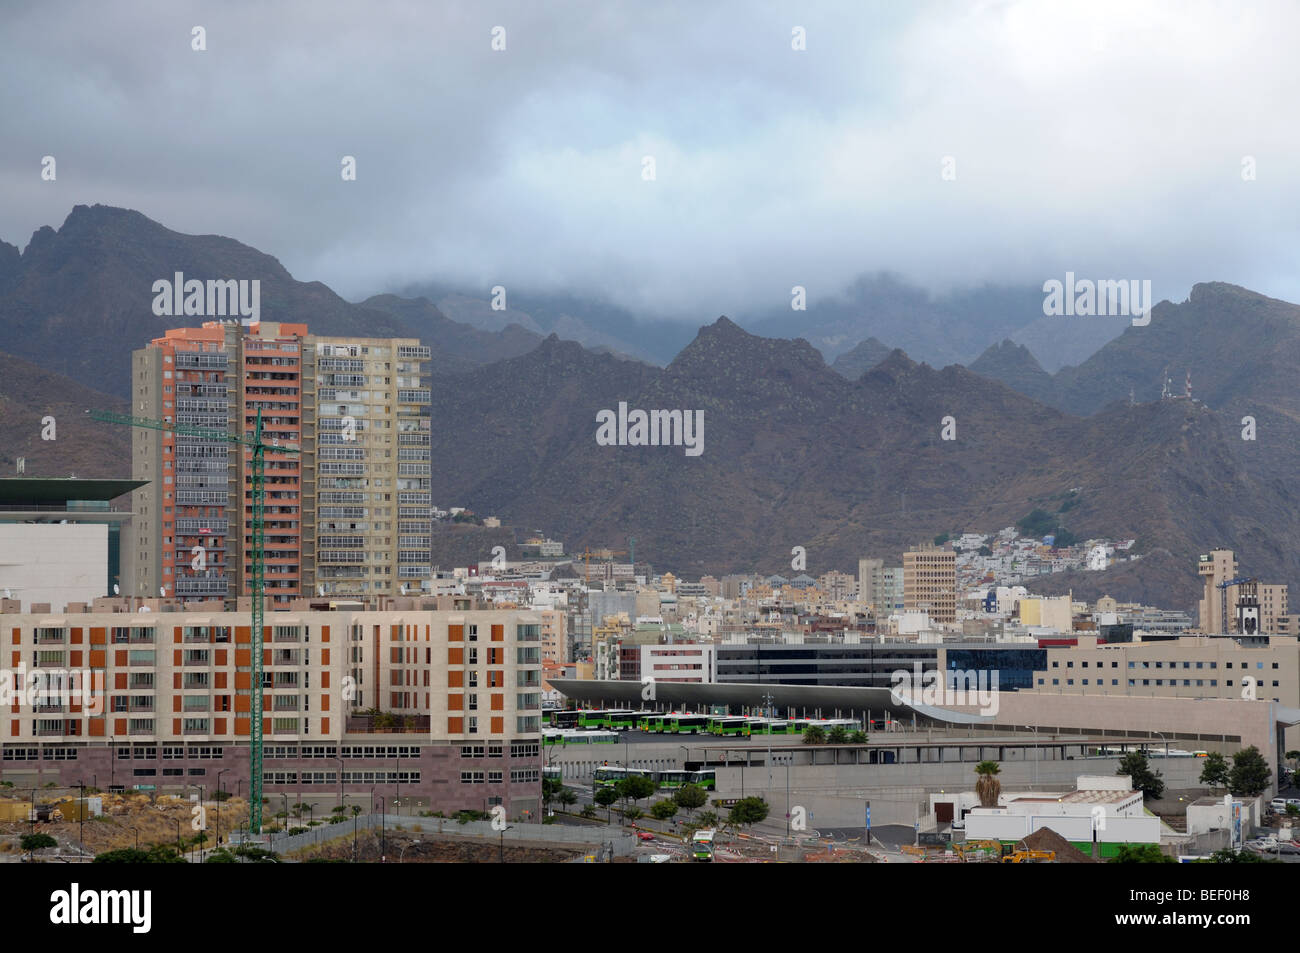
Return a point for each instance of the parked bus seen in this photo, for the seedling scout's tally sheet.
(707, 779)
(607, 776)
(672, 779)
(554, 736)
(729, 726)
(565, 718)
(686, 724)
(770, 726)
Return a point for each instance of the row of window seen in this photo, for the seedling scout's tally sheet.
(34, 754)
(1187, 682)
(1243, 665)
(478, 777)
(332, 777)
(477, 751)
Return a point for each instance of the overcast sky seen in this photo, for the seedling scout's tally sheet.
(1103, 138)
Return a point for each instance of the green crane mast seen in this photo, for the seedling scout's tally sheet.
(258, 448)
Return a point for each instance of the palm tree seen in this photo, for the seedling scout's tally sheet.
(987, 785)
(813, 735)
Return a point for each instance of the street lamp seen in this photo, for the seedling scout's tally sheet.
(1034, 729)
(381, 821)
(1164, 739)
(218, 804)
(81, 817)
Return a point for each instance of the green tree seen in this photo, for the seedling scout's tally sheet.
(663, 810)
(632, 813)
(707, 819)
(34, 842)
(567, 797)
(635, 787)
(605, 797)
(124, 855)
(1229, 856)
(1250, 775)
(747, 811)
(987, 785)
(812, 735)
(1214, 772)
(1135, 765)
(858, 737)
(221, 856)
(838, 735)
(1141, 854)
(550, 788)
(1292, 811)
(256, 855)
(588, 811)
(689, 797)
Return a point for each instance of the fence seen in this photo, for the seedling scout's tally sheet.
(623, 842)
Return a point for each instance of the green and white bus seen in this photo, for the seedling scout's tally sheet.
(702, 845)
(686, 724)
(612, 719)
(672, 779)
(607, 776)
(565, 718)
(770, 726)
(554, 736)
(729, 726)
(706, 778)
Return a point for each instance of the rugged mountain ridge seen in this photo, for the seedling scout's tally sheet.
(78, 300)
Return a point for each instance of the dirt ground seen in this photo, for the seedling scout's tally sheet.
(129, 819)
(410, 848)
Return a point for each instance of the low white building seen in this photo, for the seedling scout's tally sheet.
(1101, 807)
(54, 563)
(680, 662)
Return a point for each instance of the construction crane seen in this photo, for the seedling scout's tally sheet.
(258, 448)
(1223, 588)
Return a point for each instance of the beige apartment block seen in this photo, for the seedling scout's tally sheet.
(366, 425)
(1216, 567)
(930, 582)
(1189, 667)
(459, 693)
(555, 635)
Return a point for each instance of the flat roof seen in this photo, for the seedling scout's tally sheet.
(56, 491)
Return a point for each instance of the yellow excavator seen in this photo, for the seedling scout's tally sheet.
(1030, 857)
